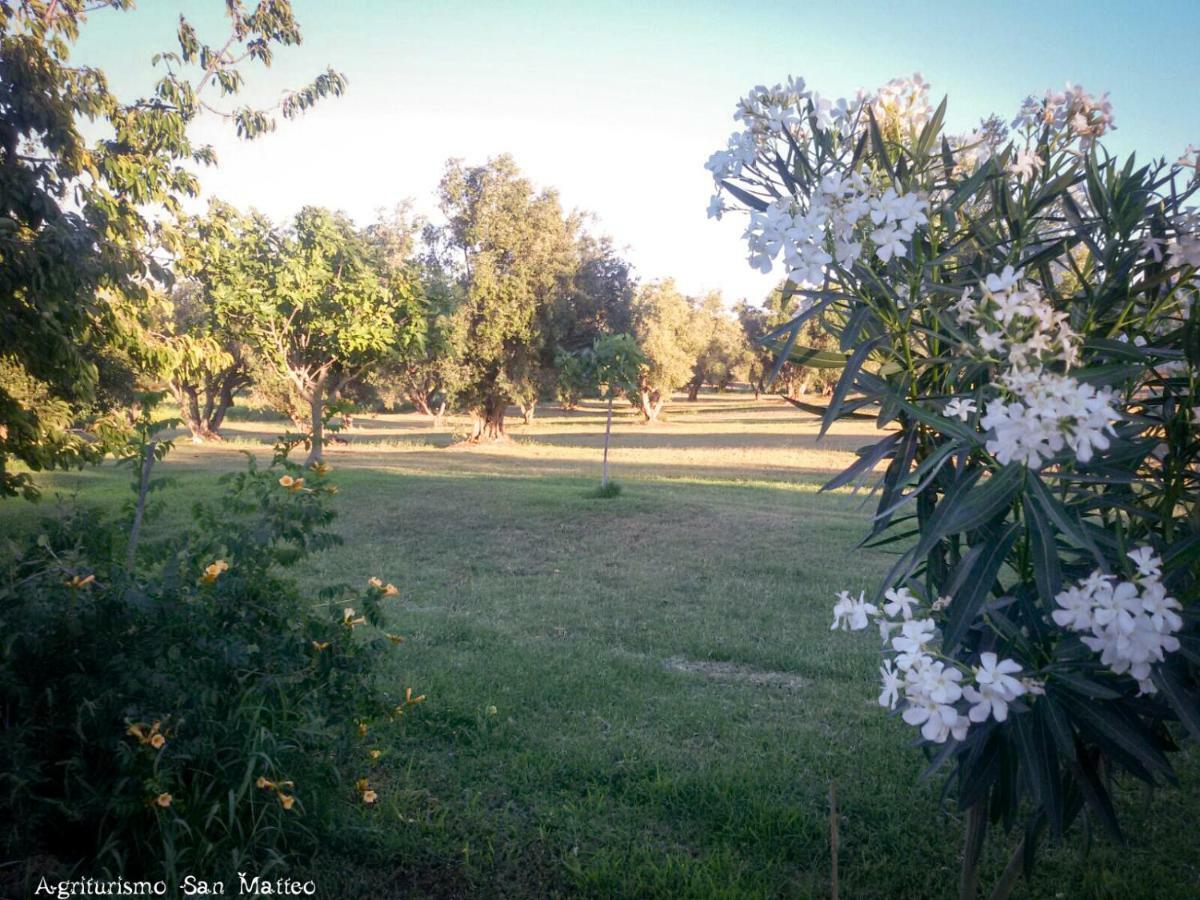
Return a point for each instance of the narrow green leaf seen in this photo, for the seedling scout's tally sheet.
(972, 582)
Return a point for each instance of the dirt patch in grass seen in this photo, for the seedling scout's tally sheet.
(727, 671)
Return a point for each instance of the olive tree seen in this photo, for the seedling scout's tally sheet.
(662, 327)
(513, 253)
(720, 346)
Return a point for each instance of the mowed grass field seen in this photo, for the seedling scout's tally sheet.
(671, 709)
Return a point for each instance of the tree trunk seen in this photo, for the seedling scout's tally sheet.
(489, 421)
(222, 402)
(693, 392)
(421, 403)
(316, 407)
(651, 403)
(607, 434)
(189, 409)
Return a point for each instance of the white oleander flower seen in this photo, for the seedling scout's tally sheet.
(1131, 624)
(890, 692)
(900, 603)
(959, 408)
(1025, 165)
(850, 614)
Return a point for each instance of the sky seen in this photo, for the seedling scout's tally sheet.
(617, 105)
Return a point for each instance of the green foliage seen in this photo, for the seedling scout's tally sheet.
(722, 353)
(196, 713)
(599, 300)
(517, 254)
(613, 365)
(606, 491)
(662, 320)
(317, 304)
(69, 268)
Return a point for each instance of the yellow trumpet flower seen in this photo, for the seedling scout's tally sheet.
(76, 583)
(214, 571)
(350, 620)
(375, 582)
(390, 590)
(322, 468)
(396, 638)
(286, 800)
(148, 735)
(163, 799)
(375, 754)
(369, 796)
(292, 484)
(320, 645)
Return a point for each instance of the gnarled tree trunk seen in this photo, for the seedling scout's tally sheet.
(651, 402)
(489, 421)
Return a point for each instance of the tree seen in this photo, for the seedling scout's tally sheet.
(513, 252)
(721, 346)
(204, 357)
(67, 264)
(613, 365)
(754, 323)
(208, 365)
(662, 320)
(311, 303)
(792, 379)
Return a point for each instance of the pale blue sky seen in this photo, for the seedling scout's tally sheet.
(618, 104)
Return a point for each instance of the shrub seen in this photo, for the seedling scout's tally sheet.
(198, 712)
(606, 491)
(1020, 309)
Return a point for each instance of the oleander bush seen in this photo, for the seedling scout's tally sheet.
(1018, 309)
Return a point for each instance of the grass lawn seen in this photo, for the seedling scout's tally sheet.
(671, 708)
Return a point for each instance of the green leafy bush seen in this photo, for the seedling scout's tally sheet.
(197, 713)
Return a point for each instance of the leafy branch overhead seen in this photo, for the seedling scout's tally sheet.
(74, 234)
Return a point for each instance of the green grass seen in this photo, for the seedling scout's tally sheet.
(670, 705)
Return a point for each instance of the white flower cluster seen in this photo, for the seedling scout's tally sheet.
(1015, 322)
(932, 689)
(1050, 412)
(1086, 116)
(790, 111)
(1046, 412)
(1131, 624)
(1184, 248)
(903, 104)
(841, 213)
